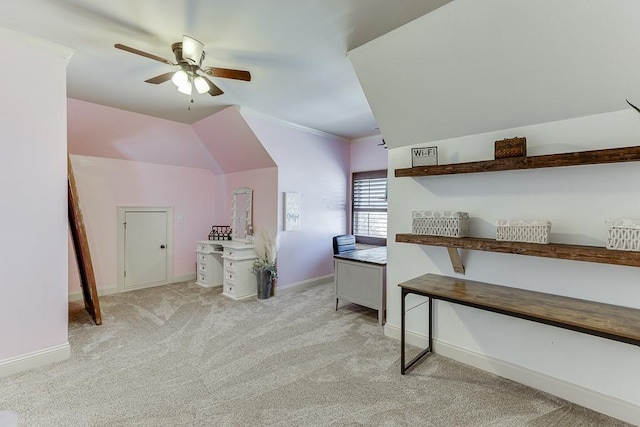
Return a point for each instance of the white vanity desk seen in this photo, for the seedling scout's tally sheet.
(227, 263)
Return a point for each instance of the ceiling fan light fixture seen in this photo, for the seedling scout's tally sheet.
(185, 88)
(201, 84)
(192, 50)
(180, 78)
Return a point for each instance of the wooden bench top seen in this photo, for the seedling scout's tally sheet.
(594, 318)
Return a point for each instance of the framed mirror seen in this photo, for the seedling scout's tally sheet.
(242, 214)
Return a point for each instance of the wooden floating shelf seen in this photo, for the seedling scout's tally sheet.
(552, 250)
(610, 155)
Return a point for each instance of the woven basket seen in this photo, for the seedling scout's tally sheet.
(520, 230)
(623, 234)
(440, 223)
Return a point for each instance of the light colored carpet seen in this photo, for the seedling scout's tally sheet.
(181, 355)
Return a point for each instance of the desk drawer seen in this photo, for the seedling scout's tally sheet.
(229, 288)
(229, 277)
(230, 264)
(202, 257)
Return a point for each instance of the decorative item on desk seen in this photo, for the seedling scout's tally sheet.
(220, 232)
(511, 147)
(523, 230)
(265, 244)
(440, 223)
(623, 234)
(424, 156)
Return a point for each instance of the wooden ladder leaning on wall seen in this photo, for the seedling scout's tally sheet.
(81, 246)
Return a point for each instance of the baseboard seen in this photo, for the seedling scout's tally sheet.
(188, 277)
(77, 295)
(416, 340)
(34, 360)
(577, 394)
(305, 284)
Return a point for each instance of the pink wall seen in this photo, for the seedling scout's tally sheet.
(106, 184)
(264, 183)
(33, 294)
(316, 166)
(232, 142)
(99, 131)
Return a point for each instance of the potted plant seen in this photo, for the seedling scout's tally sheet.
(266, 245)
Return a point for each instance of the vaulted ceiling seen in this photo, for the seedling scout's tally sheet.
(295, 50)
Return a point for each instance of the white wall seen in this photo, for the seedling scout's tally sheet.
(595, 372)
(366, 154)
(33, 294)
(474, 66)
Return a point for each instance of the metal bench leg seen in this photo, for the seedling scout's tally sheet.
(405, 367)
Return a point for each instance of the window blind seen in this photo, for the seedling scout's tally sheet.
(370, 207)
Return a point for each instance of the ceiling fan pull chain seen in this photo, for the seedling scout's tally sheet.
(191, 102)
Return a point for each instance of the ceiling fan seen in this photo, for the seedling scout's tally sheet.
(189, 55)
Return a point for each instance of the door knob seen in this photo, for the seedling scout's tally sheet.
(162, 246)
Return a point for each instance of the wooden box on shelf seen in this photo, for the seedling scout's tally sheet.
(511, 147)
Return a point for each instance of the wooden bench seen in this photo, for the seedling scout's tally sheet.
(603, 320)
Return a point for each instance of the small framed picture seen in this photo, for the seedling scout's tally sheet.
(292, 211)
(424, 156)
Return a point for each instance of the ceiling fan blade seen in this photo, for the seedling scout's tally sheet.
(141, 53)
(227, 73)
(161, 78)
(213, 89)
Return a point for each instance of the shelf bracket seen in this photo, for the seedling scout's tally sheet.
(456, 262)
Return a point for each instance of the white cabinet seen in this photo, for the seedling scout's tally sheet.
(209, 263)
(238, 282)
(361, 277)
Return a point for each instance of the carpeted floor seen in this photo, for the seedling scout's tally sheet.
(181, 355)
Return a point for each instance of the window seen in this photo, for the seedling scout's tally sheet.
(369, 221)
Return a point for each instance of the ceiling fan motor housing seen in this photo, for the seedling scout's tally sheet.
(177, 52)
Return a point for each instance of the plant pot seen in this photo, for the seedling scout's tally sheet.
(263, 278)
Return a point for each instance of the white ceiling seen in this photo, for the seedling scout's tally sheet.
(480, 66)
(294, 49)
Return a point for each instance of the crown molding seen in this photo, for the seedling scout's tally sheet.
(253, 113)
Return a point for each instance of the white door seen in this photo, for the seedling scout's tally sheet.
(145, 248)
